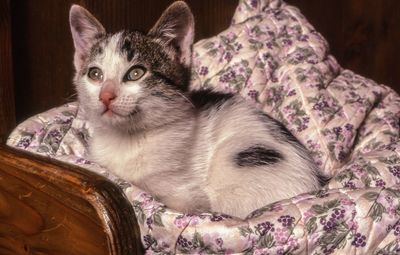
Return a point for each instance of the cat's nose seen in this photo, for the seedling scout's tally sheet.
(106, 97)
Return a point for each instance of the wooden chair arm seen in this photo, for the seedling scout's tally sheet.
(49, 207)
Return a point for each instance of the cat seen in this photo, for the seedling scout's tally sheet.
(195, 151)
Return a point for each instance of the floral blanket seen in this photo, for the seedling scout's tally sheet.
(272, 56)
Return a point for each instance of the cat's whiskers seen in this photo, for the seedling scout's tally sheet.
(71, 97)
(187, 99)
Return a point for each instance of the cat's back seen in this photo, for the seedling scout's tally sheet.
(227, 125)
(227, 115)
(244, 151)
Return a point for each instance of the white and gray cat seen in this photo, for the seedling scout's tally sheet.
(195, 151)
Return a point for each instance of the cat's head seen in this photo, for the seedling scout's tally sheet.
(131, 80)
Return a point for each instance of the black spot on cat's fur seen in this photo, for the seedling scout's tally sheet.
(287, 136)
(203, 99)
(257, 156)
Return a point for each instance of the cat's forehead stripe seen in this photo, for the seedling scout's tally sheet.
(126, 45)
(128, 49)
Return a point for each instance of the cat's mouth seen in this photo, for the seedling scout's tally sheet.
(110, 113)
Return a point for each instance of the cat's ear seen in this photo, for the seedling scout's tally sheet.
(176, 28)
(85, 29)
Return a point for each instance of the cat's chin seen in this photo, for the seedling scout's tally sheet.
(111, 117)
(113, 113)
(114, 119)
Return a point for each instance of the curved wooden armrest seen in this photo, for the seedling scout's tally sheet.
(49, 207)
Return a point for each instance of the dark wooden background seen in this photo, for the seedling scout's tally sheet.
(7, 106)
(363, 34)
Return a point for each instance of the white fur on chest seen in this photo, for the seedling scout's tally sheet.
(121, 154)
(137, 157)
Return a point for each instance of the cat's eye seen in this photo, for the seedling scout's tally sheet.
(95, 74)
(135, 73)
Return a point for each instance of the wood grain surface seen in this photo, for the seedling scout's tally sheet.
(47, 207)
(7, 106)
